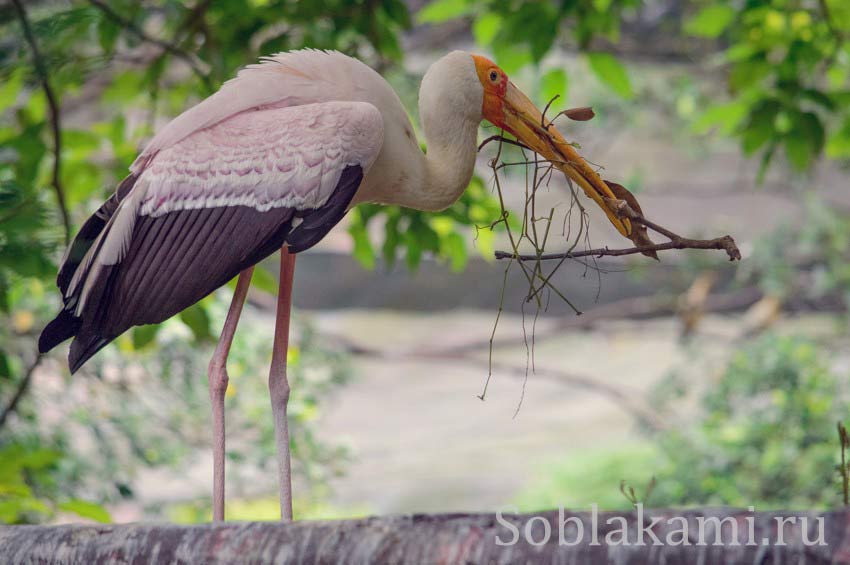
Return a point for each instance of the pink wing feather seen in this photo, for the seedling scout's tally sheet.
(198, 211)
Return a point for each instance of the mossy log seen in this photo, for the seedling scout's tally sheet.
(745, 537)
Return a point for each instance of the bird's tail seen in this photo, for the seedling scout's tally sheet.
(64, 326)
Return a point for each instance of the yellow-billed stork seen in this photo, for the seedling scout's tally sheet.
(273, 160)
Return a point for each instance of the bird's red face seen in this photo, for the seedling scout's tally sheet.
(507, 107)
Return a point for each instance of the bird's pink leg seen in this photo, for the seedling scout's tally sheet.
(218, 379)
(278, 385)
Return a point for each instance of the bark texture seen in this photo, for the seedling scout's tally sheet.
(451, 538)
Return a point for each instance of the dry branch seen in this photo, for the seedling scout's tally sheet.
(725, 243)
(55, 115)
(195, 64)
(20, 390)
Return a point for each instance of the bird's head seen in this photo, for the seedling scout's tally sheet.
(462, 88)
(506, 106)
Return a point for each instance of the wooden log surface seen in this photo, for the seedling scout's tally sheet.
(452, 538)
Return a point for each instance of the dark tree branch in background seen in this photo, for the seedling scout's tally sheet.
(629, 400)
(725, 243)
(22, 388)
(55, 116)
(827, 17)
(191, 60)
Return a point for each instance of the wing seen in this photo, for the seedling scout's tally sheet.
(206, 208)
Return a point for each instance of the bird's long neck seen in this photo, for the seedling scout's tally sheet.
(405, 176)
(402, 174)
(449, 162)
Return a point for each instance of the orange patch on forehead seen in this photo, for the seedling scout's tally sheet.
(483, 66)
(495, 84)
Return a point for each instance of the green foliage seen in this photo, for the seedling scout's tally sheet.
(611, 72)
(520, 34)
(786, 63)
(591, 478)
(710, 21)
(104, 65)
(136, 409)
(27, 487)
(764, 435)
(787, 71)
(821, 241)
(410, 232)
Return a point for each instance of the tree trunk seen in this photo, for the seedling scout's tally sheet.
(454, 538)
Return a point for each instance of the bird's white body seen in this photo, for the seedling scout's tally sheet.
(399, 173)
(281, 157)
(277, 155)
(273, 160)
(280, 134)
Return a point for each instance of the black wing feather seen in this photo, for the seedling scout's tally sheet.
(176, 259)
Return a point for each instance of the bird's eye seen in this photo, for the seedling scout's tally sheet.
(494, 76)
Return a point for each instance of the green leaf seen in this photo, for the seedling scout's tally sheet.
(10, 87)
(725, 117)
(5, 370)
(711, 21)
(839, 142)
(611, 72)
(553, 82)
(443, 10)
(760, 126)
(748, 73)
(125, 86)
(511, 57)
(264, 280)
(198, 320)
(86, 509)
(39, 459)
(453, 247)
(391, 240)
(809, 126)
(805, 141)
(107, 34)
(397, 11)
(798, 151)
(144, 335)
(818, 97)
(486, 27)
(414, 251)
(363, 251)
(484, 243)
(80, 140)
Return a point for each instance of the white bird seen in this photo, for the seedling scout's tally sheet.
(273, 160)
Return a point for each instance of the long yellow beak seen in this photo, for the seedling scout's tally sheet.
(522, 119)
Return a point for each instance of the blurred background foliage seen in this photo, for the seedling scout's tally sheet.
(102, 74)
(765, 436)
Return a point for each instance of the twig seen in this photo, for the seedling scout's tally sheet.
(194, 21)
(23, 386)
(844, 469)
(502, 139)
(55, 116)
(191, 60)
(725, 243)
